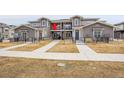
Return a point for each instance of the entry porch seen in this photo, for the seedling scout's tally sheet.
(61, 35)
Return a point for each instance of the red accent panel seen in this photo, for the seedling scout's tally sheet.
(54, 26)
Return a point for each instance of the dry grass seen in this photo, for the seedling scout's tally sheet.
(64, 47)
(33, 46)
(112, 47)
(8, 44)
(88, 40)
(36, 68)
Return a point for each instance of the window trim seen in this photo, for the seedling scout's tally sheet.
(44, 21)
(96, 30)
(101, 33)
(76, 22)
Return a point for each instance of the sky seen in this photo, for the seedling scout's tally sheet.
(23, 19)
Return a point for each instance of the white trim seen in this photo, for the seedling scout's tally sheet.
(25, 26)
(76, 21)
(101, 33)
(100, 23)
(61, 30)
(44, 21)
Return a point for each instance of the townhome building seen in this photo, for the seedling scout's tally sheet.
(6, 32)
(75, 28)
(119, 31)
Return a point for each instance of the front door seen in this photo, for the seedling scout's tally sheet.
(40, 36)
(24, 36)
(76, 35)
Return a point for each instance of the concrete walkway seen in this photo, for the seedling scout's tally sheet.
(16, 46)
(86, 53)
(45, 48)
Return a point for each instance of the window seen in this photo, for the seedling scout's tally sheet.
(76, 22)
(6, 36)
(68, 34)
(16, 35)
(97, 32)
(43, 22)
(0, 35)
(35, 25)
(67, 26)
(58, 27)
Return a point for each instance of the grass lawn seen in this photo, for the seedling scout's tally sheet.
(112, 47)
(32, 46)
(36, 68)
(64, 47)
(8, 44)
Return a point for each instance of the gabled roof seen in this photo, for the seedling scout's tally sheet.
(4, 25)
(90, 19)
(61, 20)
(119, 23)
(24, 26)
(38, 21)
(43, 18)
(76, 17)
(33, 21)
(104, 23)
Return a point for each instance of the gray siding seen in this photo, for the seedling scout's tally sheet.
(88, 31)
(30, 33)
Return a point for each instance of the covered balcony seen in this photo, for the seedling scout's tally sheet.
(61, 26)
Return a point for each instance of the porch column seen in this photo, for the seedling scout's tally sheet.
(73, 34)
(122, 35)
(62, 35)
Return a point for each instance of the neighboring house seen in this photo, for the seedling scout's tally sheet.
(26, 33)
(36, 30)
(75, 28)
(119, 31)
(6, 32)
(98, 29)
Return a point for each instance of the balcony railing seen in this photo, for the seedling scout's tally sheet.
(69, 28)
(60, 28)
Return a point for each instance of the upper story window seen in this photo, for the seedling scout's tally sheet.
(44, 23)
(35, 25)
(58, 27)
(76, 22)
(6, 36)
(67, 26)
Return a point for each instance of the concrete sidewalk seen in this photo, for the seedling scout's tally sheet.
(15, 46)
(86, 54)
(46, 47)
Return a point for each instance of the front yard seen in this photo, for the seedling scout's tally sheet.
(8, 44)
(65, 46)
(112, 47)
(36, 68)
(32, 46)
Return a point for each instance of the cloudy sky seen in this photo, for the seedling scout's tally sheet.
(22, 19)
